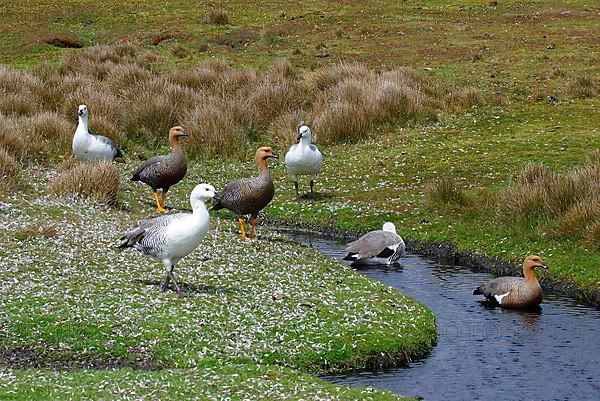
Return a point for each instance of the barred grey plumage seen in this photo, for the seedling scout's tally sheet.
(249, 195)
(149, 236)
(172, 237)
(162, 172)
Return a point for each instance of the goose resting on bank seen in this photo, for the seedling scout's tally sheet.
(303, 158)
(91, 147)
(249, 195)
(515, 292)
(170, 238)
(377, 247)
(164, 171)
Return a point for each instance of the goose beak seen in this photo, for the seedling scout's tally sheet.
(275, 155)
(184, 134)
(298, 135)
(543, 266)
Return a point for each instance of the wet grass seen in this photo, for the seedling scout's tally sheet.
(71, 300)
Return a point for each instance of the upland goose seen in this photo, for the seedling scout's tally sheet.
(164, 171)
(249, 195)
(515, 292)
(377, 247)
(88, 146)
(171, 237)
(303, 158)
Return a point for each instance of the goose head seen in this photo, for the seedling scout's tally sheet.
(304, 133)
(82, 111)
(177, 132)
(201, 193)
(532, 262)
(264, 153)
(389, 227)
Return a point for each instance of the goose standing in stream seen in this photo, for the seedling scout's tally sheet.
(377, 247)
(515, 292)
(303, 158)
(91, 147)
(249, 195)
(164, 171)
(170, 238)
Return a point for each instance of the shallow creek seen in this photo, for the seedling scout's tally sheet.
(483, 353)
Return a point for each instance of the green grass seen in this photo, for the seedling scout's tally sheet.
(234, 382)
(70, 300)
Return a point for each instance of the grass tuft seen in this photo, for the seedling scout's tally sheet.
(445, 191)
(218, 17)
(582, 87)
(100, 182)
(63, 41)
(10, 172)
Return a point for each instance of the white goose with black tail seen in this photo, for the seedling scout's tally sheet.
(303, 158)
(377, 247)
(92, 147)
(170, 238)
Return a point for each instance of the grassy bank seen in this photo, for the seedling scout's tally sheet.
(71, 300)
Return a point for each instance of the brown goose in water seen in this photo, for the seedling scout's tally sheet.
(515, 292)
(249, 195)
(164, 171)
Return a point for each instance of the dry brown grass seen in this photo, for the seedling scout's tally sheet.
(218, 17)
(48, 135)
(582, 87)
(11, 139)
(214, 128)
(10, 172)
(100, 182)
(446, 191)
(541, 196)
(129, 102)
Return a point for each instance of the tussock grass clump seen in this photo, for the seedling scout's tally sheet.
(446, 191)
(10, 172)
(218, 17)
(100, 182)
(48, 134)
(215, 129)
(582, 87)
(541, 196)
(17, 104)
(128, 100)
(11, 139)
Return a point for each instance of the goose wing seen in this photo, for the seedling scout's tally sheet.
(373, 244)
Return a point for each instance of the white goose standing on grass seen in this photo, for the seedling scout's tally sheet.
(170, 238)
(92, 147)
(377, 247)
(303, 158)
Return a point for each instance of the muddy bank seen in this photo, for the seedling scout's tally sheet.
(448, 252)
(30, 358)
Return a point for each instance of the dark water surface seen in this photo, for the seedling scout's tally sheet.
(485, 354)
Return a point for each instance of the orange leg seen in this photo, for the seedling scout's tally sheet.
(163, 199)
(241, 221)
(253, 224)
(159, 208)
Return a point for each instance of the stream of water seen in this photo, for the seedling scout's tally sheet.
(484, 354)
